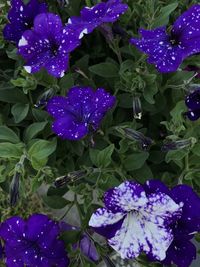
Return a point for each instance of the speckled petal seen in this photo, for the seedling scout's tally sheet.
(192, 100)
(14, 262)
(58, 106)
(137, 235)
(70, 128)
(12, 230)
(103, 217)
(190, 219)
(193, 115)
(21, 18)
(156, 45)
(180, 253)
(126, 197)
(48, 25)
(57, 65)
(187, 25)
(156, 186)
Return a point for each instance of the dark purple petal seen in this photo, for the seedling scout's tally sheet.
(58, 107)
(12, 229)
(181, 253)
(187, 26)
(193, 115)
(21, 18)
(88, 248)
(190, 220)
(48, 25)
(156, 44)
(109, 231)
(57, 65)
(70, 128)
(95, 16)
(156, 186)
(192, 100)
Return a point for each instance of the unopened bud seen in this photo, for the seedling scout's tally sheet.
(179, 144)
(14, 189)
(69, 178)
(137, 108)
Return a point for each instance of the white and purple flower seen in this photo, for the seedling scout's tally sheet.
(21, 18)
(48, 45)
(167, 51)
(92, 17)
(135, 222)
(80, 112)
(181, 251)
(192, 102)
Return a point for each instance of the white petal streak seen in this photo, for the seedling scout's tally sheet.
(137, 235)
(161, 208)
(103, 217)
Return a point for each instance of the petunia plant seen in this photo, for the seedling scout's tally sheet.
(99, 133)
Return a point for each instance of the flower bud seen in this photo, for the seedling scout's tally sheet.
(179, 144)
(137, 108)
(14, 189)
(69, 178)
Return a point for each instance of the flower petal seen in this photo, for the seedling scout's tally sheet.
(57, 65)
(69, 128)
(126, 197)
(190, 219)
(103, 217)
(137, 235)
(180, 253)
(58, 106)
(48, 25)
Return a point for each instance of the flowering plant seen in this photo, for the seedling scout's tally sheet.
(99, 133)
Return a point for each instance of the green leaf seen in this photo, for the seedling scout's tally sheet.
(165, 12)
(102, 158)
(135, 161)
(12, 96)
(6, 134)
(71, 237)
(55, 202)
(39, 152)
(19, 111)
(66, 82)
(33, 130)
(106, 70)
(9, 150)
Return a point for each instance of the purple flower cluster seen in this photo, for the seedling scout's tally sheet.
(33, 242)
(167, 51)
(150, 219)
(44, 42)
(80, 112)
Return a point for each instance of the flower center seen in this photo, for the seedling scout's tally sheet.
(54, 49)
(174, 39)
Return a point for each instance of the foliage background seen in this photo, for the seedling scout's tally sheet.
(31, 152)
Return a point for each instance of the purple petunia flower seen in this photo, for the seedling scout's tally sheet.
(192, 101)
(135, 222)
(93, 17)
(33, 242)
(167, 51)
(48, 45)
(21, 18)
(86, 245)
(181, 251)
(80, 112)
